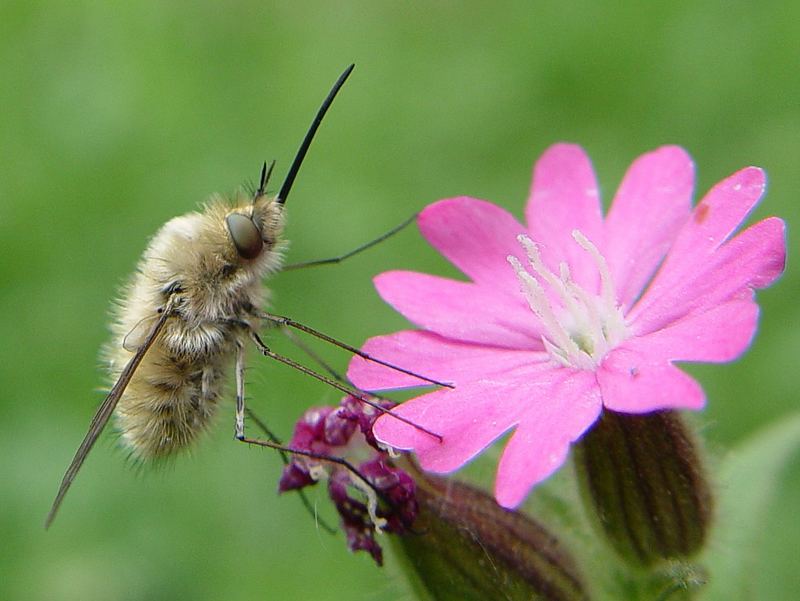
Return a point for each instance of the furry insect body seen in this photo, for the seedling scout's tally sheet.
(186, 315)
(218, 295)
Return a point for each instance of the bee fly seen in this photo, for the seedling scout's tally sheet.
(186, 315)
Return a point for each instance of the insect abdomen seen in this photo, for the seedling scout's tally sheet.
(170, 401)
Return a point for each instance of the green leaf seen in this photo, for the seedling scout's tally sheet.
(748, 480)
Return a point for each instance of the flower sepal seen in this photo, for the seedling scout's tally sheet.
(465, 547)
(642, 479)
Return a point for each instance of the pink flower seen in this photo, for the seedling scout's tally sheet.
(387, 501)
(571, 313)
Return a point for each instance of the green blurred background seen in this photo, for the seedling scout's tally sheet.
(115, 117)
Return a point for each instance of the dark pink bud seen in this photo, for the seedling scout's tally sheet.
(377, 496)
(365, 415)
(294, 477)
(397, 491)
(337, 428)
(355, 518)
(309, 430)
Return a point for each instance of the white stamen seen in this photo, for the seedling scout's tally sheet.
(593, 321)
(581, 327)
(556, 353)
(606, 283)
(316, 471)
(535, 258)
(372, 502)
(537, 300)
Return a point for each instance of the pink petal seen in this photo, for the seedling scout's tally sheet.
(564, 197)
(476, 236)
(632, 381)
(753, 259)
(461, 310)
(721, 211)
(470, 417)
(713, 220)
(432, 356)
(652, 203)
(718, 335)
(540, 444)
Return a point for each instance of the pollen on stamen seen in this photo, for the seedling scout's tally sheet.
(562, 345)
(379, 523)
(580, 327)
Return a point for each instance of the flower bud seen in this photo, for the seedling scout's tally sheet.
(466, 547)
(371, 496)
(642, 478)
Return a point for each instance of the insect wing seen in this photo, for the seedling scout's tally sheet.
(135, 339)
(103, 414)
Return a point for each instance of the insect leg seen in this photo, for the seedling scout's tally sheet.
(311, 455)
(294, 339)
(322, 363)
(285, 458)
(355, 251)
(341, 461)
(288, 321)
(314, 356)
(274, 443)
(241, 411)
(267, 352)
(240, 367)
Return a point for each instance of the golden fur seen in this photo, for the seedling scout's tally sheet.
(175, 391)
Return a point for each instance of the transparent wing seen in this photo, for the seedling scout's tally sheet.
(103, 414)
(135, 339)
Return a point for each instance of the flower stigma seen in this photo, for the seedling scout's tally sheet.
(580, 327)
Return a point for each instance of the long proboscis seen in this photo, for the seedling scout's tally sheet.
(301, 152)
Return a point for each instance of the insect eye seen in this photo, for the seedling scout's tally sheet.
(245, 235)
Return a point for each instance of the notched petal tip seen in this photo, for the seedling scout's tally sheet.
(541, 442)
(474, 235)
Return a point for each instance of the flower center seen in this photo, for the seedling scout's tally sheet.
(580, 327)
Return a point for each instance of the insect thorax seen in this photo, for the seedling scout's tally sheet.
(216, 297)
